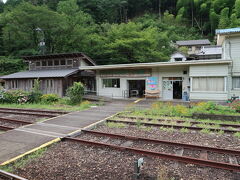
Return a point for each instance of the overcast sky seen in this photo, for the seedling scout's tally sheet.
(4, 1)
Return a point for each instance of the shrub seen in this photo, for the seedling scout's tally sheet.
(85, 104)
(75, 93)
(49, 98)
(14, 96)
(35, 95)
(235, 105)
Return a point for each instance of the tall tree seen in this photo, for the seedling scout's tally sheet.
(224, 19)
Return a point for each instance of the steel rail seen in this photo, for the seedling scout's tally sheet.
(181, 121)
(190, 146)
(26, 113)
(172, 126)
(34, 110)
(202, 162)
(10, 176)
(4, 128)
(15, 121)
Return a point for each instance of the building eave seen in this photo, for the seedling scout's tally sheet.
(157, 64)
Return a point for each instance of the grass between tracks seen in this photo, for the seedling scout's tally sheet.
(56, 106)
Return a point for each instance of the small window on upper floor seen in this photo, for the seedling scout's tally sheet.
(63, 62)
(236, 82)
(56, 62)
(38, 63)
(44, 63)
(178, 59)
(50, 63)
(69, 62)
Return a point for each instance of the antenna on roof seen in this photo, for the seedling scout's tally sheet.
(42, 40)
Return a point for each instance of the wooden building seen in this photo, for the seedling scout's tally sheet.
(56, 73)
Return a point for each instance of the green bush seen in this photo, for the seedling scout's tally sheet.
(35, 95)
(75, 93)
(14, 96)
(235, 105)
(49, 98)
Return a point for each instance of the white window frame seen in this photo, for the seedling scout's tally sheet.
(225, 84)
(111, 79)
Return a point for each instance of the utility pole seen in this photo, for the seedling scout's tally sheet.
(42, 41)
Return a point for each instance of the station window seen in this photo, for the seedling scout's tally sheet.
(63, 62)
(50, 83)
(178, 59)
(44, 63)
(69, 62)
(236, 82)
(38, 63)
(14, 84)
(111, 83)
(212, 84)
(56, 62)
(50, 63)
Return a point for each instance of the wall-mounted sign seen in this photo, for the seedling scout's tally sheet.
(126, 73)
(152, 83)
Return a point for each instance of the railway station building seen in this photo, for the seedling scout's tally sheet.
(207, 79)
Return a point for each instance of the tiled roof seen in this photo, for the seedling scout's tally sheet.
(53, 73)
(228, 31)
(193, 42)
(210, 50)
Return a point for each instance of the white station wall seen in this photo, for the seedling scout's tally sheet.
(117, 93)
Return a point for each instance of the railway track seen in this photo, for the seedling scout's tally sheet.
(10, 176)
(172, 126)
(5, 128)
(131, 144)
(27, 113)
(179, 121)
(9, 124)
(34, 110)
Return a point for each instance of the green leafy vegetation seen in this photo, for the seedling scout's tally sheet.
(61, 105)
(115, 125)
(75, 93)
(237, 134)
(205, 131)
(184, 130)
(109, 31)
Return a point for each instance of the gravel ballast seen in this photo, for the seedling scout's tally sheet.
(71, 160)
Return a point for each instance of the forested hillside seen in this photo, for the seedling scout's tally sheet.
(110, 31)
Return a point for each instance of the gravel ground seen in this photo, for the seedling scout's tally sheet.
(71, 160)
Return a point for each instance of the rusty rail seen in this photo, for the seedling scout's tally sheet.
(171, 126)
(190, 146)
(4, 128)
(10, 176)
(27, 113)
(15, 121)
(181, 121)
(34, 110)
(184, 159)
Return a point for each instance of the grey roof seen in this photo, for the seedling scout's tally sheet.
(50, 73)
(228, 31)
(193, 42)
(211, 50)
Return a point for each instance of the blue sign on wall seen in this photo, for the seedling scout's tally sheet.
(152, 83)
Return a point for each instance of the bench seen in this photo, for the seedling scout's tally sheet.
(152, 94)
